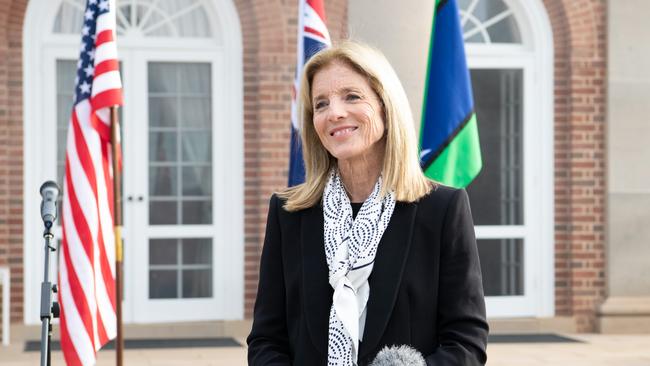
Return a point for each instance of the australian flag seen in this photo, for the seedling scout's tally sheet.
(312, 37)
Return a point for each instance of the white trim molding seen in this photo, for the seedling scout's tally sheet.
(5, 280)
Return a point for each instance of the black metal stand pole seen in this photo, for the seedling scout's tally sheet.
(49, 309)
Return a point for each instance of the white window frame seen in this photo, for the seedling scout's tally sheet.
(41, 48)
(534, 56)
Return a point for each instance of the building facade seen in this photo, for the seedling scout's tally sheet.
(558, 87)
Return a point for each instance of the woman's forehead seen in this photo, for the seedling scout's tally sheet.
(337, 76)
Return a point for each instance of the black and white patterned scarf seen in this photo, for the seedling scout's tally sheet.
(350, 247)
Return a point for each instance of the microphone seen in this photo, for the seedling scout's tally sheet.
(398, 356)
(50, 192)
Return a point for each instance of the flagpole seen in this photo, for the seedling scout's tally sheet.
(117, 222)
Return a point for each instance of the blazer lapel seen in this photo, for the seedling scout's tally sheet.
(316, 288)
(387, 273)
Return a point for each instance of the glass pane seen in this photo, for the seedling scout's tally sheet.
(197, 283)
(162, 111)
(196, 112)
(502, 266)
(163, 284)
(163, 251)
(126, 11)
(197, 181)
(197, 212)
(161, 30)
(171, 7)
(64, 108)
(197, 146)
(162, 78)
(60, 147)
(140, 12)
(65, 75)
(163, 212)
(195, 78)
(505, 31)
(486, 9)
(153, 19)
(162, 146)
(162, 181)
(69, 18)
(197, 251)
(496, 195)
(193, 24)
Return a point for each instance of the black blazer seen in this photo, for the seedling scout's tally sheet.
(425, 287)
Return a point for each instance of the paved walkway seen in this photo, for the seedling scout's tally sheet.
(596, 350)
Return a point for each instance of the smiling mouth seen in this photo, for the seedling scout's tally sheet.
(343, 131)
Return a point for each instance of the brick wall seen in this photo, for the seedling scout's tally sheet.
(11, 148)
(579, 32)
(269, 31)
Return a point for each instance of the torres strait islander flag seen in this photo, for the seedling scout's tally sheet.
(312, 37)
(449, 143)
(87, 257)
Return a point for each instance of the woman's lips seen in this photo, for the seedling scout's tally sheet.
(342, 131)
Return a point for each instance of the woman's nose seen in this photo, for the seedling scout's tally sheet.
(337, 111)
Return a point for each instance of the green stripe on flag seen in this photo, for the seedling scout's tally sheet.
(460, 162)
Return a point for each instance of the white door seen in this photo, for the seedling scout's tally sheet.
(172, 214)
(509, 51)
(182, 151)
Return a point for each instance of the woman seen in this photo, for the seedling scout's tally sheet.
(367, 253)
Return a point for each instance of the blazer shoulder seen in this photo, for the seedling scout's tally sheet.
(440, 197)
(276, 204)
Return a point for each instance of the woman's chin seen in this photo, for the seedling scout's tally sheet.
(346, 154)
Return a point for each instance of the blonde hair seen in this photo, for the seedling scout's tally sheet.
(401, 168)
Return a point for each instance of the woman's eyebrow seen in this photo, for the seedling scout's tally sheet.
(342, 90)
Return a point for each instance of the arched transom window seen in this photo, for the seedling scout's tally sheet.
(488, 21)
(149, 18)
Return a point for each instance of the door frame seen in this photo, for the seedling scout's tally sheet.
(538, 266)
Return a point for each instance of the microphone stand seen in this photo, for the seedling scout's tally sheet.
(49, 309)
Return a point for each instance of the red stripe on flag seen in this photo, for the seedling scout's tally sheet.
(101, 330)
(103, 37)
(69, 352)
(107, 98)
(108, 177)
(314, 31)
(107, 275)
(102, 129)
(84, 154)
(318, 6)
(106, 66)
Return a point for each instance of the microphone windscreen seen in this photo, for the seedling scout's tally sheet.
(399, 356)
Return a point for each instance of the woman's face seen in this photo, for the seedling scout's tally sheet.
(348, 116)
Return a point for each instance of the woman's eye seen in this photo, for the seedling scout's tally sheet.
(320, 105)
(352, 97)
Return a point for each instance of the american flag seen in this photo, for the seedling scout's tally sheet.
(312, 37)
(87, 258)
